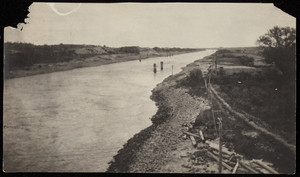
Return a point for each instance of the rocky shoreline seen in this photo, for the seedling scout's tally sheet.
(158, 148)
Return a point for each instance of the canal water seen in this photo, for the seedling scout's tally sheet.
(77, 120)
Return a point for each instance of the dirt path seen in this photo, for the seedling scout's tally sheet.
(252, 124)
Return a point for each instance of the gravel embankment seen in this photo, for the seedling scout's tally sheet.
(159, 147)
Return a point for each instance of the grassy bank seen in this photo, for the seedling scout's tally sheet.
(242, 138)
(261, 92)
(27, 59)
(262, 96)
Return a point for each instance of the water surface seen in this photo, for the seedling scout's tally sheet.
(77, 120)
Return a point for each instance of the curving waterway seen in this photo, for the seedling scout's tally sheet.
(77, 120)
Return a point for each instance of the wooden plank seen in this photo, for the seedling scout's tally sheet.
(191, 134)
(217, 159)
(216, 147)
(225, 156)
(262, 170)
(193, 141)
(201, 135)
(265, 166)
(248, 168)
(235, 167)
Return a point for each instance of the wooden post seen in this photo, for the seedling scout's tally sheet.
(207, 90)
(154, 68)
(201, 135)
(161, 65)
(216, 63)
(220, 145)
(211, 105)
(213, 115)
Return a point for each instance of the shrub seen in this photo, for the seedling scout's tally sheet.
(247, 61)
(221, 71)
(195, 78)
(129, 49)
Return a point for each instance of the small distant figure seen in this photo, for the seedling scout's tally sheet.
(161, 65)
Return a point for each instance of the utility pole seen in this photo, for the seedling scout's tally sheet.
(220, 144)
(216, 63)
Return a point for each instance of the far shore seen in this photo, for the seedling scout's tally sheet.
(97, 60)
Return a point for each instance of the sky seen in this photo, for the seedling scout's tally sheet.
(195, 25)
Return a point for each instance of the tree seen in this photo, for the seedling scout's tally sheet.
(278, 37)
(279, 48)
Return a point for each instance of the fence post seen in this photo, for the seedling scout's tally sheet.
(216, 63)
